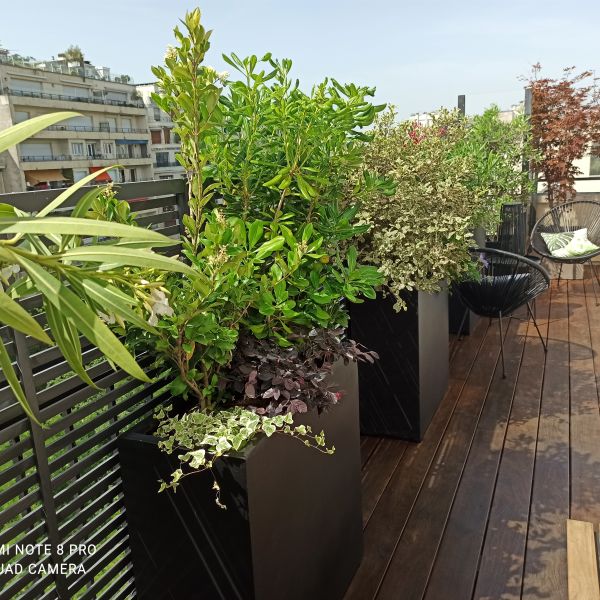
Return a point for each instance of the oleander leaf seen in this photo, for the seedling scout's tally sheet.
(118, 256)
(67, 340)
(84, 227)
(15, 316)
(83, 318)
(13, 382)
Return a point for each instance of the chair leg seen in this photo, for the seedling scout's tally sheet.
(462, 323)
(501, 345)
(537, 328)
(559, 273)
(595, 280)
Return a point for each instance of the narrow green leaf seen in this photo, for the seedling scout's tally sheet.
(68, 342)
(20, 132)
(13, 382)
(113, 300)
(15, 316)
(83, 318)
(118, 256)
(83, 227)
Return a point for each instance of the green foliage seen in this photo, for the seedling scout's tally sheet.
(107, 207)
(419, 236)
(286, 159)
(46, 255)
(499, 149)
(190, 94)
(271, 172)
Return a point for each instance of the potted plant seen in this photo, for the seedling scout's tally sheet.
(419, 238)
(253, 343)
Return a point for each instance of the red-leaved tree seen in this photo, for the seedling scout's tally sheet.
(565, 123)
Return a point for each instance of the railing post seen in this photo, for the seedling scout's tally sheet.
(42, 462)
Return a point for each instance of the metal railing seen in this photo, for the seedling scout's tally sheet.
(62, 97)
(64, 69)
(69, 157)
(161, 164)
(61, 485)
(88, 128)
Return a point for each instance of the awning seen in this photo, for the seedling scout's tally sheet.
(131, 141)
(43, 175)
(103, 177)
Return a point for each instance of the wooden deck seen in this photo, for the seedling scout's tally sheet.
(479, 508)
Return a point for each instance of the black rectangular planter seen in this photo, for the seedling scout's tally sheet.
(400, 393)
(292, 528)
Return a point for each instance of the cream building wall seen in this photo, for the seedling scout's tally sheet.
(112, 129)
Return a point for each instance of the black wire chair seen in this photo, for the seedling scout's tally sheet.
(507, 281)
(567, 217)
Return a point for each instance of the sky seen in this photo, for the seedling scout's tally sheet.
(420, 55)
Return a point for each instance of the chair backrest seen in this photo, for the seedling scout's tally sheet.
(569, 216)
(505, 282)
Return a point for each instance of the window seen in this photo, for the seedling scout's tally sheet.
(108, 149)
(157, 114)
(132, 175)
(595, 162)
(20, 116)
(176, 138)
(162, 159)
(77, 148)
(104, 126)
(167, 135)
(156, 136)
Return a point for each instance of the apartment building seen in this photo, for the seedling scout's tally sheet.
(164, 142)
(112, 128)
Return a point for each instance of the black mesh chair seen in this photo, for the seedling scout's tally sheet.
(567, 217)
(507, 281)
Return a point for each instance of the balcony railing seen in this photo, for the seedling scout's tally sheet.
(69, 157)
(86, 128)
(162, 164)
(45, 96)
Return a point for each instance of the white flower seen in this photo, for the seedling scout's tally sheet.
(159, 305)
(108, 319)
(9, 271)
(170, 53)
(223, 76)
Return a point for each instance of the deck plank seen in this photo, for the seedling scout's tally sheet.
(375, 479)
(479, 508)
(389, 517)
(581, 561)
(456, 563)
(545, 569)
(413, 558)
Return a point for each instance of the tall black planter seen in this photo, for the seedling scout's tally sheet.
(401, 391)
(292, 528)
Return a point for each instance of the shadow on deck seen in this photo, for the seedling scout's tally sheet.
(479, 508)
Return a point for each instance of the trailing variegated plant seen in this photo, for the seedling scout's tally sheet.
(44, 253)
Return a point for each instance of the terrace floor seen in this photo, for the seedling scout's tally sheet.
(479, 508)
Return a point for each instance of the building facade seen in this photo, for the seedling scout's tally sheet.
(112, 128)
(164, 142)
